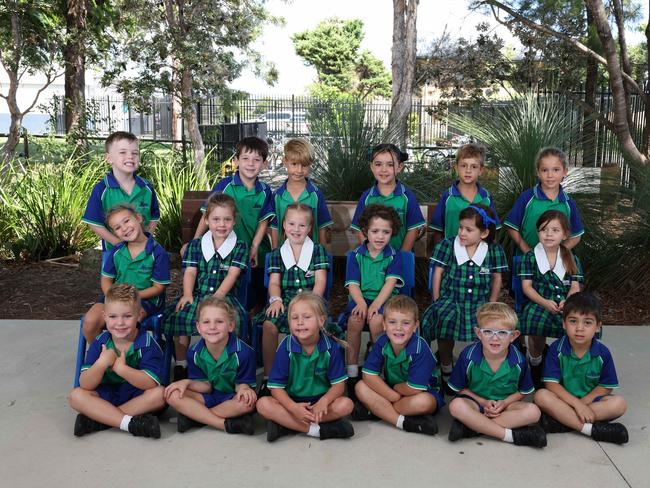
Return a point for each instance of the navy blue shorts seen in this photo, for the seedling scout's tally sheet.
(118, 394)
(440, 398)
(352, 304)
(216, 397)
(462, 395)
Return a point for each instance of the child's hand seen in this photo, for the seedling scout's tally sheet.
(179, 386)
(275, 309)
(182, 251)
(107, 357)
(494, 408)
(584, 413)
(360, 310)
(246, 396)
(561, 305)
(184, 300)
(319, 409)
(120, 363)
(552, 307)
(373, 310)
(302, 413)
(253, 255)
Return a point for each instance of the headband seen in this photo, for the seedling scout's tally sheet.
(487, 220)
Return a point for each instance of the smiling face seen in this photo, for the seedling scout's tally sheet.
(296, 225)
(250, 164)
(551, 234)
(215, 324)
(124, 156)
(378, 233)
(399, 327)
(469, 234)
(468, 170)
(304, 322)
(126, 225)
(580, 328)
(221, 221)
(550, 171)
(495, 336)
(385, 167)
(296, 171)
(122, 319)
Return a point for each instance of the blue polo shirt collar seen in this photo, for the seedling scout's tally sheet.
(309, 186)
(236, 179)
(455, 192)
(142, 339)
(231, 346)
(399, 189)
(413, 345)
(539, 194)
(567, 350)
(477, 355)
(112, 182)
(387, 252)
(324, 344)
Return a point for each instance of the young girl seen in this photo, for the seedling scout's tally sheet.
(212, 265)
(298, 265)
(373, 274)
(549, 274)
(548, 194)
(386, 161)
(221, 370)
(467, 274)
(138, 260)
(308, 378)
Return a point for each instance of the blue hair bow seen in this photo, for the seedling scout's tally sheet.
(487, 220)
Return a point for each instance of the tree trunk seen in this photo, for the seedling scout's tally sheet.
(403, 68)
(645, 143)
(621, 126)
(192, 123)
(74, 54)
(589, 123)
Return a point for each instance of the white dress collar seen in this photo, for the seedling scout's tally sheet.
(544, 266)
(207, 245)
(305, 255)
(462, 257)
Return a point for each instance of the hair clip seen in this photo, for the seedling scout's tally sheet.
(487, 220)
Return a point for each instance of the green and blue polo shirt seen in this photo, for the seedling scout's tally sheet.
(579, 376)
(108, 193)
(473, 372)
(402, 200)
(307, 377)
(370, 274)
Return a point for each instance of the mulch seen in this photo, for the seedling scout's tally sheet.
(49, 291)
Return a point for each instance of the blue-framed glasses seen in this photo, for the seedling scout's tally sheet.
(500, 333)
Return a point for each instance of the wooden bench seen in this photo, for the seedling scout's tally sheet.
(342, 238)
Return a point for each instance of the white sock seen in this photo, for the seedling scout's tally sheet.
(508, 436)
(182, 362)
(534, 361)
(446, 368)
(265, 378)
(353, 370)
(586, 429)
(124, 425)
(400, 422)
(314, 430)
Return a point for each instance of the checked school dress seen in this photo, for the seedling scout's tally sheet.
(466, 285)
(551, 284)
(295, 276)
(213, 266)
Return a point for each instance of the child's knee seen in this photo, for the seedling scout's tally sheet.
(355, 324)
(264, 405)
(458, 407)
(77, 397)
(343, 406)
(532, 412)
(544, 397)
(269, 329)
(157, 395)
(619, 405)
(174, 398)
(425, 403)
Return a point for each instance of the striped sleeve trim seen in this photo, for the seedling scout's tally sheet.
(161, 282)
(435, 227)
(326, 224)
(507, 223)
(400, 280)
(92, 222)
(608, 386)
(452, 386)
(578, 234)
(339, 379)
(265, 216)
(550, 380)
(355, 227)
(527, 392)
(109, 275)
(416, 387)
(416, 226)
(151, 375)
(351, 282)
(276, 385)
(370, 371)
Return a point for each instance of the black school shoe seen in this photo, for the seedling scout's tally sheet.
(240, 425)
(184, 423)
(360, 412)
(263, 389)
(274, 431)
(422, 424)
(338, 429)
(352, 383)
(531, 435)
(180, 373)
(84, 425)
(614, 432)
(552, 426)
(459, 430)
(145, 426)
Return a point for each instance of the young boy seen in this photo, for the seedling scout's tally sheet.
(298, 157)
(579, 376)
(470, 162)
(409, 392)
(386, 162)
(120, 379)
(220, 389)
(121, 185)
(491, 379)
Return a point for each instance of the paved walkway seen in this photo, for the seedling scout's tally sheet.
(37, 447)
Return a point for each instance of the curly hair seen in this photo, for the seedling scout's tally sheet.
(377, 211)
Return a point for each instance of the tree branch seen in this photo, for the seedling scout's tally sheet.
(49, 80)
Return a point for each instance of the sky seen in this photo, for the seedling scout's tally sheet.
(434, 16)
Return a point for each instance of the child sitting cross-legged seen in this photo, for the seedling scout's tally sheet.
(221, 369)
(492, 378)
(409, 392)
(579, 376)
(120, 378)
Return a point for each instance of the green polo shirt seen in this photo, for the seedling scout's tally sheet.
(370, 274)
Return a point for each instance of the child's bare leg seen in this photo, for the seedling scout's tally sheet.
(269, 345)
(445, 351)
(269, 408)
(468, 413)
(339, 408)
(355, 327)
(536, 345)
(93, 322)
(151, 400)
(609, 408)
(557, 408)
(192, 405)
(181, 345)
(92, 406)
(420, 404)
(376, 327)
(518, 414)
(377, 404)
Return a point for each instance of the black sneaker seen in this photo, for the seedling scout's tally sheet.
(84, 425)
(145, 426)
(184, 423)
(263, 390)
(422, 424)
(552, 426)
(609, 432)
(352, 383)
(338, 429)
(274, 431)
(531, 435)
(240, 425)
(360, 412)
(180, 373)
(459, 431)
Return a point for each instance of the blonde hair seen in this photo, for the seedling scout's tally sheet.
(222, 303)
(220, 200)
(497, 311)
(403, 304)
(317, 304)
(123, 293)
(300, 150)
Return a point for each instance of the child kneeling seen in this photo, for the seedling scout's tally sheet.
(221, 369)
(307, 379)
(120, 378)
(491, 379)
(410, 390)
(579, 376)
